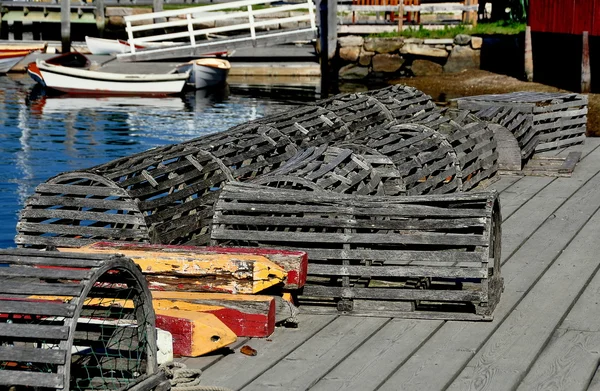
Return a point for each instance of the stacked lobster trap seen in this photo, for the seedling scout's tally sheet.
(376, 187)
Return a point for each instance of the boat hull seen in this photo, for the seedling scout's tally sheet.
(76, 81)
(9, 60)
(205, 76)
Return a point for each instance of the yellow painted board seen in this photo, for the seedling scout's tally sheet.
(229, 273)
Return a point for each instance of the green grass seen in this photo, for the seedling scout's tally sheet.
(506, 28)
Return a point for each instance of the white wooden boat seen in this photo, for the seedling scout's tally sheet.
(108, 46)
(206, 72)
(69, 73)
(116, 46)
(9, 58)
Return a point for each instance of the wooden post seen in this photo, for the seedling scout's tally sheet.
(65, 25)
(100, 17)
(586, 73)
(400, 15)
(528, 55)
(473, 14)
(465, 14)
(157, 6)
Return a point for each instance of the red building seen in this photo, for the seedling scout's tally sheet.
(565, 16)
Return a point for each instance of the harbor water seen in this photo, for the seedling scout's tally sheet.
(42, 136)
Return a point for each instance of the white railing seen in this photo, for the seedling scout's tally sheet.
(244, 11)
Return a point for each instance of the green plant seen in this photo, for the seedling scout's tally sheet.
(501, 27)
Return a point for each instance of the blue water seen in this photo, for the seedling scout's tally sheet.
(42, 136)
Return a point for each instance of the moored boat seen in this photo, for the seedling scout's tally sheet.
(108, 46)
(206, 72)
(9, 58)
(70, 73)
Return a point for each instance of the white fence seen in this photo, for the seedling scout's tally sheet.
(242, 17)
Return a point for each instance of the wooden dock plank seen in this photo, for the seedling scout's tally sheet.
(571, 357)
(505, 357)
(503, 183)
(543, 206)
(269, 352)
(306, 365)
(374, 361)
(522, 191)
(456, 343)
(568, 362)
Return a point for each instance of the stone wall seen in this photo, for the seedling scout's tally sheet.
(383, 58)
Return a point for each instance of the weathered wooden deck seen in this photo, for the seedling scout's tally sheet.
(545, 334)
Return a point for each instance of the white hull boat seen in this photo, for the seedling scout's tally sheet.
(10, 58)
(56, 75)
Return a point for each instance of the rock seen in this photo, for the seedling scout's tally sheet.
(353, 72)
(426, 68)
(387, 63)
(437, 41)
(418, 41)
(461, 58)
(476, 42)
(383, 45)
(423, 50)
(350, 40)
(365, 57)
(350, 53)
(462, 39)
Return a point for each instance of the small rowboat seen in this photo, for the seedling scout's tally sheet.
(69, 73)
(206, 72)
(9, 58)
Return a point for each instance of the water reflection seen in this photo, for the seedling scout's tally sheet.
(42, 135)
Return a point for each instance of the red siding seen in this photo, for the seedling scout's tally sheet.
(565, 16)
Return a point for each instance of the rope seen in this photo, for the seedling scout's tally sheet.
(186, 379)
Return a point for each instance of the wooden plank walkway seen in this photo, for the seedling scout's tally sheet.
(545, 334)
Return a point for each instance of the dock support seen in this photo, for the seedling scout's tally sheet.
(528, 55)
(100, 17)
(328, 41)
(586, 73)
(65, 25)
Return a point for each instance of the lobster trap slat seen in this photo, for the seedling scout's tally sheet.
(425, 159)
(434, 253)
(78, 208)
(64, 329)
(351, 169)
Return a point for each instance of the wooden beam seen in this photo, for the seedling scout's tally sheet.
(586, 72)
(191, 271)
(295, 263)
(194, 333)
(245, 315)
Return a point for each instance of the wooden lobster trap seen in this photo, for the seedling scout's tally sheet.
(403, 102)
(358, 111)
(75, 322)
(435, 256)
(426, 160)
(472, 139)
(78, 208)
(540, 121)
(350, 169)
